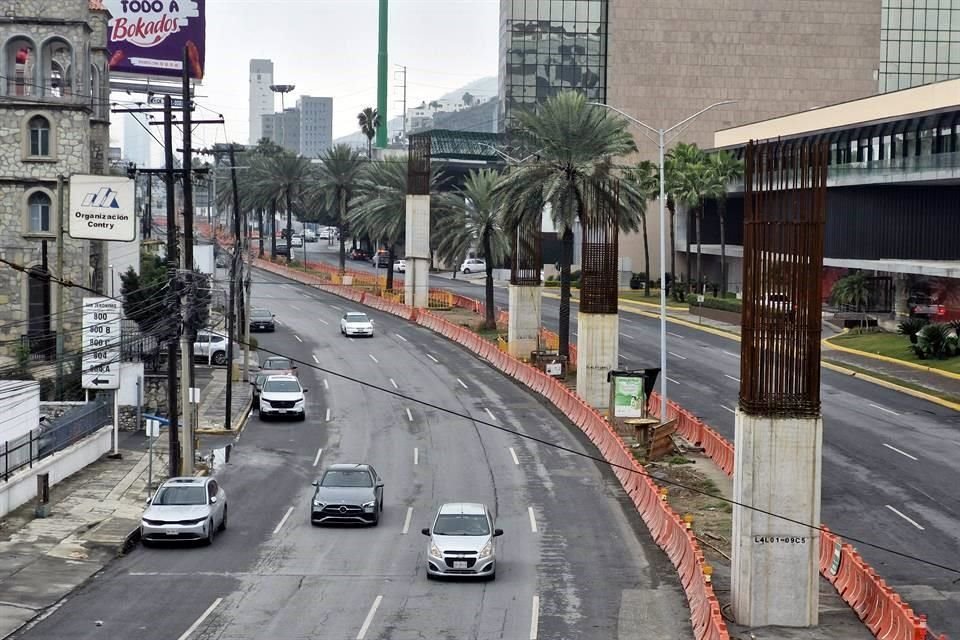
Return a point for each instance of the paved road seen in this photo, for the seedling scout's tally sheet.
(574, 549)
(891, 461)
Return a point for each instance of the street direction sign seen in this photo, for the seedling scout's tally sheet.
(101, 343)
(176, 103)
(102, 208)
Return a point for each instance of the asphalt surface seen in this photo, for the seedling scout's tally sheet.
(575, 560)
(890, 461)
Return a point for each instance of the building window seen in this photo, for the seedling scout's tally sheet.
(39, 212)
(39, 136)
(38, 302)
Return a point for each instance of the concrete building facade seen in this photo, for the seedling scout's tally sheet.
(919, 43)
(54, 122)
(316, 125)
(261, 99)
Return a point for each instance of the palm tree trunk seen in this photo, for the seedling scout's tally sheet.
(699, 217)
(646, 258)
(721, 213)
(566, 257)
(289, 227)
(260, 228)
(369, 148)
(672, 206)
(390, 259)
(490, 320)
(273, 229)
(343, 231)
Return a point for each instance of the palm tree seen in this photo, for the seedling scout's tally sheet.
(339, 172)
(690, 178)
(369, 120)
(724, 169)
(281, 177)
(646, 179)
(577, 144)
(476, 222)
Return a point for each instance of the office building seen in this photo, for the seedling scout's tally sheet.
(261, 97)
(283, 128)
(316, 125)
(919, 42)
(136, 140)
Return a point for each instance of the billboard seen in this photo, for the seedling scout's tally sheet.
(147, 37)
(102, 208)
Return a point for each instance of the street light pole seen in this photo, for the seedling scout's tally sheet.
(661, 145)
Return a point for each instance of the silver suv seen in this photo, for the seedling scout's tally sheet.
(186, 508)
(462, 542)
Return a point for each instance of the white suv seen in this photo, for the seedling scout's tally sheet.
(282, 396)
(211, 348)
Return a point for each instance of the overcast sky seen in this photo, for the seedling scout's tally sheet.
(329, 48)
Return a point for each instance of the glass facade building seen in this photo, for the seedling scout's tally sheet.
(919, 42)
(548, 46)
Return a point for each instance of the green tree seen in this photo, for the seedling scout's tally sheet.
(142, 292)
(476, 222)
(576, 145)
(691, 174)
(369, 121)
(339, 172)
(646, 180)
(281, 178)
(724, 169)
(852, 290)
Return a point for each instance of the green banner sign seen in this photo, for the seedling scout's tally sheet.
(629, 400)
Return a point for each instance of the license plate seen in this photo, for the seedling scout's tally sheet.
(171, 532)
(459, 564)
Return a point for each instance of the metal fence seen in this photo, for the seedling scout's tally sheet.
(59, 434)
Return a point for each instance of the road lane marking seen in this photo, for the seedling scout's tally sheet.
(432, 358)
(513, 454)
(283, 521)
(903, 453)
(295, 307)
(627, 336)
(728, 409)
(876, 406)
(406, 520)
(401, 337)
(490, 413)
(264, 295)
(316, 460)
(394, 383)
(369, 619)
(462, 383)
(374, 358)
(621, 356)
(672, 380)
(199, 621)
(675, 335)
(323, 321)
(677, 355)
(732, 378)
(535, 618)
(336, 307)
(298, 338)
(326, 385)
(409, 415)
(316, 359)
(328, 415)
(416, 455)
(907, 518)
(731, 353)
(533, 520)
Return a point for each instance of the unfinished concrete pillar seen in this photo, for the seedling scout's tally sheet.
(416, 280)
(523, 326)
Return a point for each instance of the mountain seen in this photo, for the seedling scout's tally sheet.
(481, 115)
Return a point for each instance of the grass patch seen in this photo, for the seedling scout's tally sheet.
(897, 381)
(894, 346)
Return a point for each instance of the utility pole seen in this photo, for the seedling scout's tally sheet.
(187, 336)
(148, 216)
(172, 268)
(60, 288)
(232, 317)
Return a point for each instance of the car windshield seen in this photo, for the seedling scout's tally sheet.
(260, 313)
(277, 363)
(461, 524)
(356, 317)
(346, 479)
(181, 496)
(282, 386)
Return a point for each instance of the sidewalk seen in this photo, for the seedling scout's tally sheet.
(94, 516)
(213, 403)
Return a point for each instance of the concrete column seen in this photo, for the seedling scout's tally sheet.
(417, 278)
(597, 354)
(775, 565)
(901, 293)
(524, 323)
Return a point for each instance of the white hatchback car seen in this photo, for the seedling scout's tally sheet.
(356, 323)
(462, 542)
(400, 266)
(473, 265)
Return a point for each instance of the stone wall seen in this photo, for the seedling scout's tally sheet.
(155, 394)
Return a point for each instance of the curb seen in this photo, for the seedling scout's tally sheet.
(226, 432)
(888, 359)
(889, 385)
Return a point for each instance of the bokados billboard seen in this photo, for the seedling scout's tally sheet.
(147, 37)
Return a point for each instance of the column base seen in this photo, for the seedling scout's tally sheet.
(597, 354)
(524, 324)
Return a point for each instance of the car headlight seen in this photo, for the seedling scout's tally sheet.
(487, 550)
(318, 503)
(368, 506)
(435, 550)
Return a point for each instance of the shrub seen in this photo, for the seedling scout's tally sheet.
(575, 275)
(637, 280)
(722, 304)
(911, 327)
(936, 341)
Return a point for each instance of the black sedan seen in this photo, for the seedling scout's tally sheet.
(262, 320)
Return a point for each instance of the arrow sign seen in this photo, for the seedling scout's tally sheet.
(100, 381)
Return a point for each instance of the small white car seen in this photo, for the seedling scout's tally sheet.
(462, 542)
(325, 233)
(185, 508)
(309, 235)
(356, 323)
(400, 266)
(282, 396)
(296, 241)
(473, 265)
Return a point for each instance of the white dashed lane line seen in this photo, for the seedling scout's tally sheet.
(299, 339)
(462, 383)
(369, 619)
(374, 358)
(283, 521)
(432, 358)
(328, 414)
(675, 335)
(394, 383)
(326, 385)
(728, 408)
(677, 355)
(884, 409)
(513, 454)
(416, 456)
(409, 415)
(203, 616)
(316, 460)
(490, 413)
(903, 453)
(533, 520)
(735, 379)
(401, 337)
(907, 518)
(316, 359)
(535, 618)
(731, 353)
(406, 521)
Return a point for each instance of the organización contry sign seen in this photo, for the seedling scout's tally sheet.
(147, 37)
(102, 208)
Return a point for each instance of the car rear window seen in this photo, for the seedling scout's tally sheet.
(277, 363)
(260, 313)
